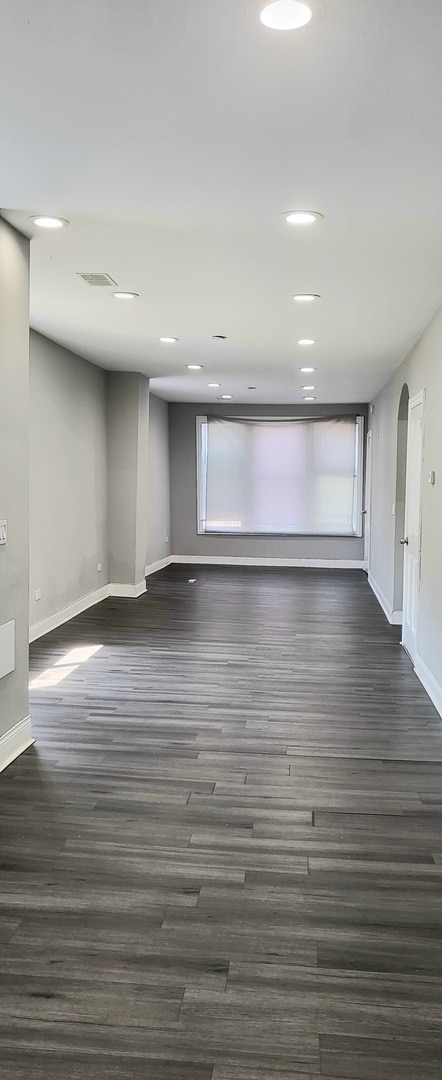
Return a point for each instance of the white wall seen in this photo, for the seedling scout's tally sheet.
(68, 477)
(422, 370)
(158, 528)
(14, 382)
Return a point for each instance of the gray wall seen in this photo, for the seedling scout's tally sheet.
(142, 515)
(127, 447)
(183, 495)
(422, 370)
(158, 526)
(14, 469)
(68, 493)
(88, 438)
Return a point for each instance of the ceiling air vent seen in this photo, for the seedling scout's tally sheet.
(97, 279)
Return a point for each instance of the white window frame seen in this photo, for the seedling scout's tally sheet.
(201, 447)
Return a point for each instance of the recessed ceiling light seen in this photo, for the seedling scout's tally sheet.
(285, 15)
(309, 399)
(302, 217)
(307, 370)
(169, 340)
(50, 222)
(251, 387)
(194, 367)
(125, 295)
(306, 298)
(309, 387)
(226, 397)
(214, 385)
(306, 341)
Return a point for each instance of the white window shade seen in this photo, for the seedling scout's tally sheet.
(280, 476)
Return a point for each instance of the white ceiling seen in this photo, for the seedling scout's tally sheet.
(172, 134)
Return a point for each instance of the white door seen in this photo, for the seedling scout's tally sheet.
(412, 532)
(367, 500)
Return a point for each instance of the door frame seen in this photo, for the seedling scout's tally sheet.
(416, 399)
(368, 487)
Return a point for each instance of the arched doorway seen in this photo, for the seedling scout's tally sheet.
(401, 479)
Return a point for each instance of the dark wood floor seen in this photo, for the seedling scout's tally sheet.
(223, 857)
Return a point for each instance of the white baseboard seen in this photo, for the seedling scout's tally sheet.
(59, 617)
(159, 565)
(239, 560)
(394, 617)
(430, 684)
(66, 614)
(15, 741)
(131, 592)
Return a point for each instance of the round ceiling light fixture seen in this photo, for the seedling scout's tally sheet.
(309, 399)
(194, 367)
(125, 295)
(307, 341)
(309, 387)
(302, 217)
(214, 385)
(306, 298)
(169, 340)
(50, 222)
(307, 370)
(285, 15)
(226, 397)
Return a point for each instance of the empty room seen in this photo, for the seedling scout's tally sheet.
(220, 540)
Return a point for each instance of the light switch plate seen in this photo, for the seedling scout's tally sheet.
(3, 531)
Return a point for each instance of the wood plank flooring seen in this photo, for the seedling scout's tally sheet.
(222, 859)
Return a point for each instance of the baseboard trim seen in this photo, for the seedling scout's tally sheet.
(394, 617)
(429, 683)
(15, 741)
(160, 564)
(130, 592)
(239, 560)
(59, 617)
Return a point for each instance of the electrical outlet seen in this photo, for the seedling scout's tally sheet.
(38, 594)
(99, 567)
(167, 539)
(3, 532)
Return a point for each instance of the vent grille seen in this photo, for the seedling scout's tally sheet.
(97, 279)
